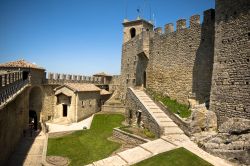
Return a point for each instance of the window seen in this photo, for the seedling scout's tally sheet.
(132, 32)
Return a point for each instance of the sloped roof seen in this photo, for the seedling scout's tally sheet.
(21, 64)
(80, 87)
(104, 92)
(102, 74)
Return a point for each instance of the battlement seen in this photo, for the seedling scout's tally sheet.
(194, 22)
(60, 78)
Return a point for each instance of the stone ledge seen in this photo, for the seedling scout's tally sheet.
(130, 138)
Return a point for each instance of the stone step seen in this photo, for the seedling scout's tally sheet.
(134, 155)
(162, 116)
(113, 160)
(168, 124)
(172, 130)
(158, 146)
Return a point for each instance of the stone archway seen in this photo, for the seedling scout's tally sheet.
(35, 106)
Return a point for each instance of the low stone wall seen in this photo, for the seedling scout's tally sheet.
(113, 108)
(129, 138)
(133, 104)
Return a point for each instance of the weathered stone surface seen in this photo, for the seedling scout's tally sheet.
(129, 138)
(232, 142)
(235, 126)
(230, 91)
(202, 120)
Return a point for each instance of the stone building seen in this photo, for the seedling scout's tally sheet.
(26, 96)
(75, 101)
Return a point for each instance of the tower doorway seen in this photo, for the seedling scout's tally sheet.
(65, 110)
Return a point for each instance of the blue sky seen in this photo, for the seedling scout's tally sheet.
(79, 36)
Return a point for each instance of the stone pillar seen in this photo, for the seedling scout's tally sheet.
(194, 21)
(158, 30)
(169, 28)
(7, 79)
(180, 24)
(64, 76)
(20, 75)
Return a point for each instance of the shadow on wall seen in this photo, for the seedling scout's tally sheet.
(203, 66)
(141, 70)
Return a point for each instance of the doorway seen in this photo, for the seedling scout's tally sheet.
(65, 110)
(33, 119)
(25, 75)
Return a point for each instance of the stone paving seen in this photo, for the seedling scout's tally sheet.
(29, 151)
(55, 127)
(173, 137)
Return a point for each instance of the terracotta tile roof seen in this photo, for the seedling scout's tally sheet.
(101, 74)
(104, 92)
(21, 64)
(82, 87)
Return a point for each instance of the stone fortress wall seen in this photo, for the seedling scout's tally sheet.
(180, 62)
(195, 62)
(230, 94)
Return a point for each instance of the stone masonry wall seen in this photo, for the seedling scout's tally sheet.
(129, 138)
(230, 94)
(180, 62)
(14, 118)
(133, 104)
(129, 64)
(48, 102)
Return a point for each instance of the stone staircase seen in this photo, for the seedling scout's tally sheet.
(172, 137)
(167, 125)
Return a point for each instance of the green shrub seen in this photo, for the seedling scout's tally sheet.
(148, 133)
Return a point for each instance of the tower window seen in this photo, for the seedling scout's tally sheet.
(132, 32)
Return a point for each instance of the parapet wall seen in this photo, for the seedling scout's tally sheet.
(58, 78)
(180, 62)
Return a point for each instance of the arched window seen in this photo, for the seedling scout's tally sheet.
(132, 32)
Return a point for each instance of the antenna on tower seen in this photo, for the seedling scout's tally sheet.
(139, 12)
(126, 9)
(150, 18)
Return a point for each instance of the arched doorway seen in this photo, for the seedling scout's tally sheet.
(33, 119)
(35, 106)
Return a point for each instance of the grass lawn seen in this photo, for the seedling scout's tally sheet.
(84, 147)
(172, 105)
(176, 157)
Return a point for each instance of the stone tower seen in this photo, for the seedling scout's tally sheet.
(134, 28)
(230, 92)
(135, 52)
